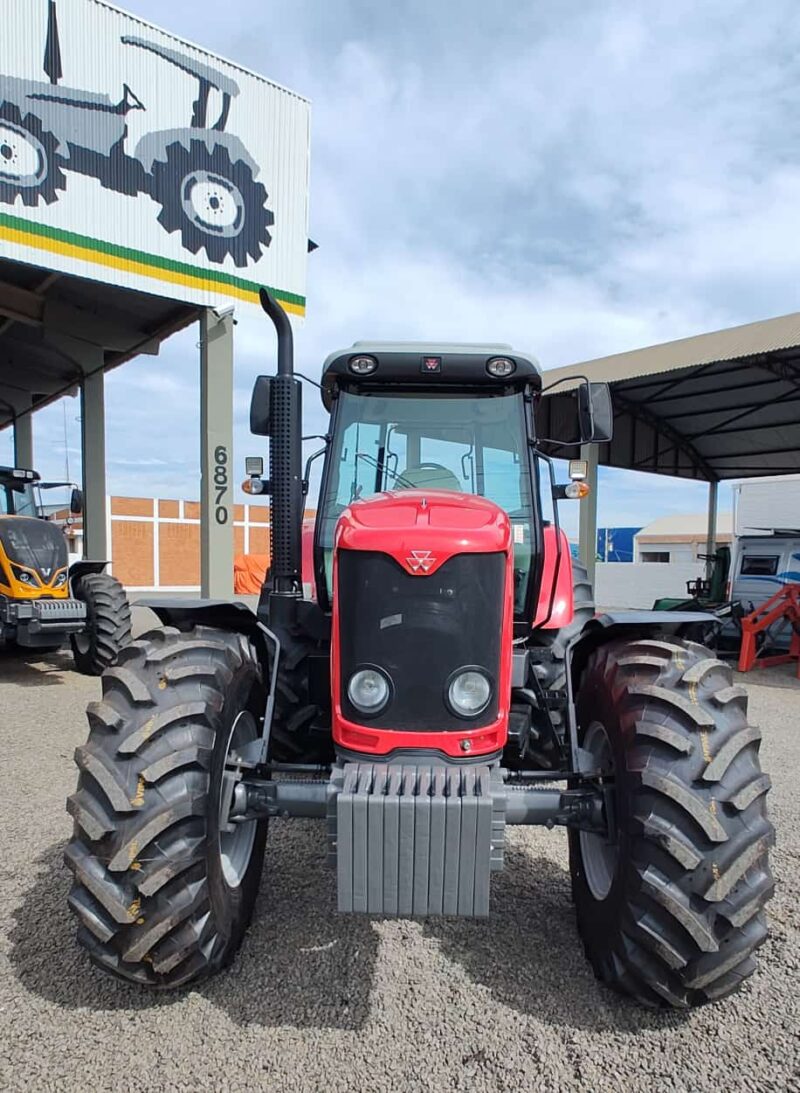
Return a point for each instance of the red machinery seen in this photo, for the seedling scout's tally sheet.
(785, 604)
(420, 676)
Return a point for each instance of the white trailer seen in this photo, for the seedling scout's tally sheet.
(767, 506)
(766, 545)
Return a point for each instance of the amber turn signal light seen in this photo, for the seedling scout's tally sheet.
(576, 490)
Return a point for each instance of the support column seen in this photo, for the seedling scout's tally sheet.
(23, 440)
(93, 449)
(711, 535)
(216, 454)
(587, 518)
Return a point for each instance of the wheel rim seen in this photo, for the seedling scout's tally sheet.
(236, 846)
(599, 855)
(213, 203)
(23, 159)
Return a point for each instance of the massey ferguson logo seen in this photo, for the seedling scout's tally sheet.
(421, 561)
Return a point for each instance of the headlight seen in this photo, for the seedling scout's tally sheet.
(368, 690)
(468, 692)
(501, 367)
(22, 575)
(363, 365)
(60, 580)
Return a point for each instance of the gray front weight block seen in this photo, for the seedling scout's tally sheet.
(413, 840)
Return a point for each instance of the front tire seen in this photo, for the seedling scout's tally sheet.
(108, 623)
(161, 897)
(671, 911)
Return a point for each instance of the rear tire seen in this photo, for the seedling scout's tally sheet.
(673, 911)
(158, 900)
(108, 623)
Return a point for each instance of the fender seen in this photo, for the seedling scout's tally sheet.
(604, 628)
(153, 146)
(220, 614)
(80, 569)
(555, 607)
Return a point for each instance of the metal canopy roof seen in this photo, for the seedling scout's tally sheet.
(716, 406)
(55, 328)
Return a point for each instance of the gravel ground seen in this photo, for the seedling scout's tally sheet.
(315, 1001)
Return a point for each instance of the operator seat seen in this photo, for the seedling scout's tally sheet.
(428, 476)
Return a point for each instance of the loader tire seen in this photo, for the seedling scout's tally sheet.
(108, 623)
(671, 910)
(162, 895)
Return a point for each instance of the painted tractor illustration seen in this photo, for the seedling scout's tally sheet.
(203, 177)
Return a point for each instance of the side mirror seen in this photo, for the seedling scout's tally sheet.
(261, 407)
(76, 502)
(595, 413)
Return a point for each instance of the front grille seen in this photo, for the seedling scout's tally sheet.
(34, 543)
(420, 629)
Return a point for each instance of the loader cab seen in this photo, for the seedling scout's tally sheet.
(18, 492)
(454, 418)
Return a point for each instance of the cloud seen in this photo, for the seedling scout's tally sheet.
(576, 178)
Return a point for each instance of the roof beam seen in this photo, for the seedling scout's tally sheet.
(790, 450)
(663, 428)
(643, 383)
(737, 417)
(684, 414)
(107, 330)
(35, 380)
(7, 293)
(20, 304)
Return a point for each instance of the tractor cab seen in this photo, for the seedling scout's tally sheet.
(19, 494)
(431, 418)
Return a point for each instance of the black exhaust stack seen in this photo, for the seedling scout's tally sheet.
(285, 472)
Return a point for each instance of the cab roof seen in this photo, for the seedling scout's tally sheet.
(17, 476)
(437, 366)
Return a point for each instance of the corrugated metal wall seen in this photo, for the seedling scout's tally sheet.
(132, 156)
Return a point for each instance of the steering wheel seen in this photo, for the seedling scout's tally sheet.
(421, 470)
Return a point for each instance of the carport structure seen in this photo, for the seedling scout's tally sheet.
(724, 405)
(60, 334)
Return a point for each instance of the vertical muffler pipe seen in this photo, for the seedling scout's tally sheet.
(285, 472)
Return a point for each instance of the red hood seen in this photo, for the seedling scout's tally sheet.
(421, 529)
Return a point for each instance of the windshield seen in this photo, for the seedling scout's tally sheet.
(469, 444)
(19, 501)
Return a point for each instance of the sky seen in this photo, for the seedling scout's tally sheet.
(574, 177)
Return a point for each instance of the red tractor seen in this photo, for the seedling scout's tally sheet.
(419, 676)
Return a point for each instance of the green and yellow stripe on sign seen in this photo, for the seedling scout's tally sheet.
(83, 248)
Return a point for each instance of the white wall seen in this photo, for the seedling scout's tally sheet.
(639, 584)
(678, 552)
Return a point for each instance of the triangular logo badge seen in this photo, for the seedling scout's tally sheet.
(421, 561)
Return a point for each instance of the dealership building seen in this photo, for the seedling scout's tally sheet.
(160, 188)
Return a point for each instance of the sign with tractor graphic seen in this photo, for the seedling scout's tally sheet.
(127, 155)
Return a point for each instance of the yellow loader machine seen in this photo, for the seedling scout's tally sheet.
(43, 600)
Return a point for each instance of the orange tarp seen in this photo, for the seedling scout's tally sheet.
(248, 573)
